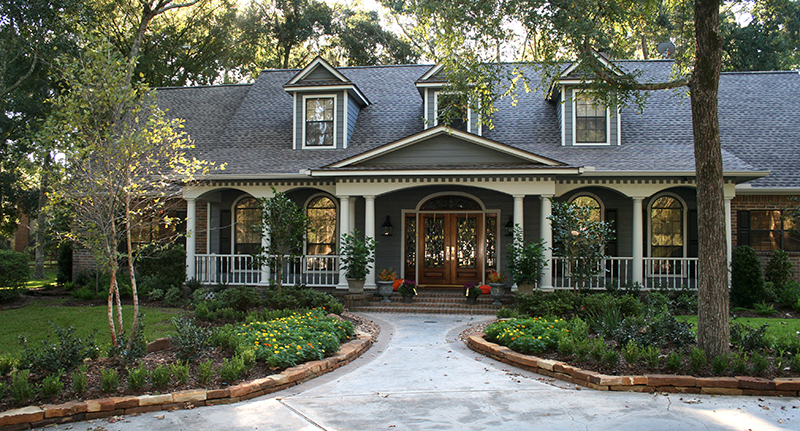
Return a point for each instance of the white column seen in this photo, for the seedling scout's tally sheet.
(728, 232)
(344, 227)
(369, 232)
(547, 235)
(352, 217)
(518, 214)
(638, 241)
(191, 237)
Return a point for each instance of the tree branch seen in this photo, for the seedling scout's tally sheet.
(23, 77)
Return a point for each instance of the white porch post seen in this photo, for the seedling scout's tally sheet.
(728, 232)
(344, 227)
(638, 241)
(191, 237)
(518, 221)
(547, 235)
(369, 232)
(352, 217)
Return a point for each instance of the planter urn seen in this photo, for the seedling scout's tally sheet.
(385, 289)
(355, 285)
(498, 292)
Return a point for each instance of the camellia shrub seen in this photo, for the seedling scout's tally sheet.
(747, 283)
(532, 335)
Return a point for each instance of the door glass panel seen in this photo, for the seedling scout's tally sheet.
(434, 242)
(491, 241)
(467, 241)
(411, 241)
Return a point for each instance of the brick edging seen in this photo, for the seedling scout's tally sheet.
(48, 414)
(739, 385)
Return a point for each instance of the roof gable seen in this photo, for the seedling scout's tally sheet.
(318, 70)
(442, 146)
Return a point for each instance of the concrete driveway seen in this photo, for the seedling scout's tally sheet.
(420, 376)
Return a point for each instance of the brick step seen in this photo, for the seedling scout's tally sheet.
(441, 302)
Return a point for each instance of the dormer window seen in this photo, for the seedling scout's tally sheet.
(448, 110)
(319, 122)
(591, 120)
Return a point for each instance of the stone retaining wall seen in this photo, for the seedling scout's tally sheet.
(48, 414)
(648, 383)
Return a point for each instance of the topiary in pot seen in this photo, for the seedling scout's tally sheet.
(357, 257)
(525, 261)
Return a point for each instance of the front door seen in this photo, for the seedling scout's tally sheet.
(451, 248)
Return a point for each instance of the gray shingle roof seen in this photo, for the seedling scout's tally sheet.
(249, 127)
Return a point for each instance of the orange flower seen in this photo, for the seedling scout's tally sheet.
(397, 283)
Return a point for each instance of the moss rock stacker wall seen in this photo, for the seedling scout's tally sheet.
(48, 414)
(648, 383)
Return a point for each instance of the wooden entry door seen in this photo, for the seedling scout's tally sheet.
(450, 248)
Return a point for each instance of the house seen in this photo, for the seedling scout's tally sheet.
(362, 148)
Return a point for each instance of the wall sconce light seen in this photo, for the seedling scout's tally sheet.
(386, 227)
(510, 227)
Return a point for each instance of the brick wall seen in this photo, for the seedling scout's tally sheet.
(82, 260)
(763, 202)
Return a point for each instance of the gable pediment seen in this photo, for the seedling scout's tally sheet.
(319, 77)
(444, 148)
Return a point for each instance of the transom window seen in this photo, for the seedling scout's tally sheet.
(321, 212)
(319, 122)
(666, 223)
(768, 230)
(247, 236)
(590, 120)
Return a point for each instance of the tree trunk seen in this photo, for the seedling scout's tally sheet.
(131, 269)
(111, 289)
(38, 270)
(713, 330)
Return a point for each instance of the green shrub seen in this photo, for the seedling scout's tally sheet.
(719, 364)
(180, 371)
(64, 354)
(202, 295)
(507, 313)
(137, 377)
(764, 309)
(598, 349)
(578, 328)
(532, 335)
(21, 386)
(79, 379)
(52, 385)
(789, 294)
(760, 363)
(631, 352)
(232, 370)
(655, 326)
(611, 357)
(627, 305)
(174, 296)
(64, 261)
(650, 355)
(582, 348)
(794, 363)
(2, 390)
(697, 359)
(84, 294)
(748, 338)
(193, 284)
(14, 273)
(155, 295)
(109, 380)
(160, 377)
(190, 340)
(560, 303)
(739, 362)
(205, 372)
(240, 298)
(7, 364)
(673, 362)
(779, 269)
(605, 321)
(164, 267)
(747, 283)
(566, 344)
(138, 346)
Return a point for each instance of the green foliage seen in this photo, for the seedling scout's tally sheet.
(174, 296)
(794, 363)
(764, 309)
(506, 313)
(631, 352)
(21, 387)
(606, 321)
(357, 255)
(748, 338)
(79, 379)
(84, 293)
(52, 385)
(566, 344)
(650, 355)
(719, 364)
(138, 345)
(14, 273)
(789, 294)
(180, 371)
(531, 335)
(525, 260)
(739, 362)
(193, 284)
(611, 357)
(160, 376)
(64, 261)
(578, 328)
(137, 377)
(164, 267)
(285, 225)
(760, 363)
(65, 353)
(241, 298)
(747, 284)
(292, 340)
(155, 295)
(697, 359)
(205, 372)
(655, 326)
(580, 240)
(674, 362)
(560, 303)
(7, 364)
(232, 370)
(109, 380)
(779, 269)
(408, 288)
(598, 348)
(190, 340)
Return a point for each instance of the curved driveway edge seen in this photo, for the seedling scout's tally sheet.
(49, 414)
(739, 385)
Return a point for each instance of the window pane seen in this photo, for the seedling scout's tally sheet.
(321, 212)
(450, 111)
(666, 219)
(319, 133)
(791, 240)
(590, 121)
(765, 240)
(319, 109)
(589, 202)
(248, 218)
(767, 220)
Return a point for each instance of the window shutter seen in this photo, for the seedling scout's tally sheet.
(744, 228)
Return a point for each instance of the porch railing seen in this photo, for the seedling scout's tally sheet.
(240, 269)
(617, 272)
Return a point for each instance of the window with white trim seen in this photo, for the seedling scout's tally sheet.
(666, 227)
(450, 110)
(319, 122)
(321, 235)
(247, 222)
(768, 230)
(591, 120)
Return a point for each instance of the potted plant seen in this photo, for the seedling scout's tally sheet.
(385, 283)
(472, 292)
(496, 281)
(525, 262)
(356, 260)
(408, 289)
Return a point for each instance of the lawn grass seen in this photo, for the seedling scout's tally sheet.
(50, 273)
(33, 322)
(781, 329)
